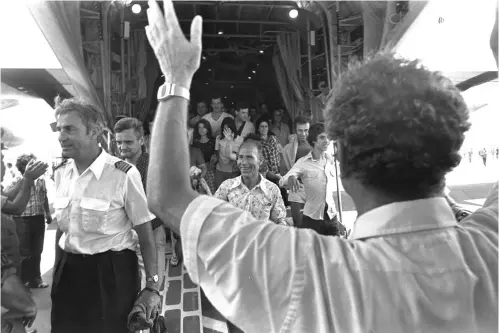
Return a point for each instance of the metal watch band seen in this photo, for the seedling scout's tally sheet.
(168, 90)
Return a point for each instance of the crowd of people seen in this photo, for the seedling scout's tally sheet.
(219, 186)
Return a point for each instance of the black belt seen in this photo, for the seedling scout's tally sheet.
(96, 255)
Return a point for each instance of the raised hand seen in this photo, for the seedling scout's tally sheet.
(35, 169)
(178, 58)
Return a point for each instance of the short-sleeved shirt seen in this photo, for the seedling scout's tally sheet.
(264, 201)
(408, 267)
(216, 125)
(96, 210)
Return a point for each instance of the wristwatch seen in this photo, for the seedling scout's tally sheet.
(153, 278)
(168, 90)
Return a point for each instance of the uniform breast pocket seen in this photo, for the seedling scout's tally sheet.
(94, 213)
(61, 208)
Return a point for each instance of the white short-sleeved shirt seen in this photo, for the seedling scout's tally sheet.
(98, 209)
(216, 125)
(409, 267)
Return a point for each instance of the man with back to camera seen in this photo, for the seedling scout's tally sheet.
(251, 191)
(99, 199)
(297, 148)
(130, 140)
(216, 116)
(408, 266)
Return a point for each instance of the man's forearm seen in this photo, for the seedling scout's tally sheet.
(148, 250)
(18, 205)
(168, 184)
(12, 192)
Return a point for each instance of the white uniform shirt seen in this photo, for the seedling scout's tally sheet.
(408, 268)
(98, 209)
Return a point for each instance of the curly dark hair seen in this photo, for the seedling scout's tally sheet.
(22, 162)
(399, 126)
(314, 131)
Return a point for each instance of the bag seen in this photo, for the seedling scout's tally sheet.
(159, 325)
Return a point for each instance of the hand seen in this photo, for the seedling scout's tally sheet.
(145, 311)
(228, 134)
(35, 169)
(48, 219)
(293, 184)
(214, 159)
(178, 58)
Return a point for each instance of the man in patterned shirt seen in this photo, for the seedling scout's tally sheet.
(251, 191)
(31, 227)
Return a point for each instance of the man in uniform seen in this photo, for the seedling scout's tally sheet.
(130, 140)
(99, 199)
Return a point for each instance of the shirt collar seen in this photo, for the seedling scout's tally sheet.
(262, 184)
(327, 156)
(403, 217)
(97, 166)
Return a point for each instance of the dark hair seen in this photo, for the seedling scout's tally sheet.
(130, 123)
(398, 125)
(207, 125)
(90, 115)
(201, 101)
(314, 131)
(22, 162)
(242, 105)
(218, 97)
(263, 120)
(301, 120)
(228, 121)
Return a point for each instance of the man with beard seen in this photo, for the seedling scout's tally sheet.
(216, 116)
(317, 173)
(99, 202)
(130, 140)
(408, 267)
(297, 148)
(251, 191)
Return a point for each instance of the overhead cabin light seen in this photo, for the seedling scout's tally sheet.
(204, 58)
(209, 69)
(293, 13)
(261, 51)
(254, 72)
(249, 77)
(220, 32)
(136, 9)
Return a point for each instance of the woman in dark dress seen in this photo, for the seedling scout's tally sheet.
(204, 141)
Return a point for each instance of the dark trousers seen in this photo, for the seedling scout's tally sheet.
(327, 226)
(31, 234)
(94, 293)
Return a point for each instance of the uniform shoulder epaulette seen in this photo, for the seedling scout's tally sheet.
(123, 166)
